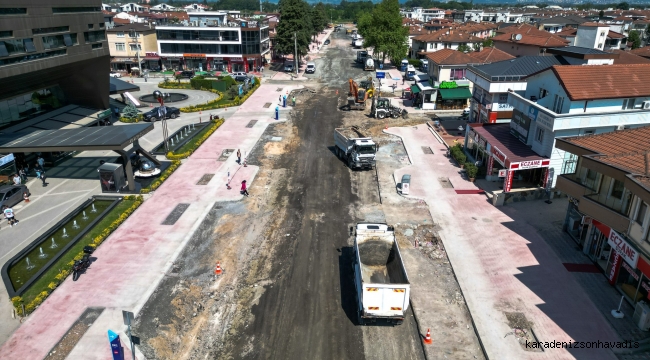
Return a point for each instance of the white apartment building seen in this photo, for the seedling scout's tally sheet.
(164, 7)
(421, 14)
(493, 17)
(132, 7)
(574, 100)
(209, 41)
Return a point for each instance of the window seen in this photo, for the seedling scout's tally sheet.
(56, 41)
(32, 57)
(8, 33)
(600, 46)
(539, 136)
(602, 33)
(503, 98)
(457, 74)
(101, 25)
(591, 179)
(542, 93)
(50, 29)
(97, 46)
(29, 45)
(558, 103)
(90, 26)
(135, 47)
(628, 104)
(120, 34)
(94, 36)
(617, 189)
(13, 11)
(120, 47)
(134, 34)
(16, 46)
(640, 215)
(59, 10)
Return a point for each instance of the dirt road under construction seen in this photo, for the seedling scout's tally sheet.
(287, 291)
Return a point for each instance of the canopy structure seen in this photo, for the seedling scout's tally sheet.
(456, 94)
(115, 138)
(119, 86)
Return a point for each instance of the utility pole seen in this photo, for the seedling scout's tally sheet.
(295, 46)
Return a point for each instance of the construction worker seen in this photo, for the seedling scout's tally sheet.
(293, 100)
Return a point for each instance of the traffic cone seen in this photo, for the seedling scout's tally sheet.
(337, 92)
(218, 270)
(427, 339)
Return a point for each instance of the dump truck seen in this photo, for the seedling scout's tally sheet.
(353, 147)
(361, 56)
(382, 285)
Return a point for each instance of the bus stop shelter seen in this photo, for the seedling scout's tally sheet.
(115, 138)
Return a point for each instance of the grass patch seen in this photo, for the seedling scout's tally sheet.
(49, 276)
(196, 141)
(192, 144)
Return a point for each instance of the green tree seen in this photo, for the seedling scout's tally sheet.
(382, 30)
(295, 22)
(635, 38)
(269, 7)
(464, 48)
(623, 6)
(130, 112)
(488, 43)
(319, 18)
(601, 14)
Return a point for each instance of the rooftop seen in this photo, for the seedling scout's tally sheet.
(139, 27)
(450, 57)
(644, 51)
(521, 67)
(499, 136)
(627, 57)
(490, 55)
(581, 52)
(627, 150)
(593, 82)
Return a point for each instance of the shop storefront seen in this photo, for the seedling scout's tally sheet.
(197, 62)
(123, 64)
(424, 95)
(152, 61)
(453, 98)
(478, 149)
(508, 158)
(236, 64)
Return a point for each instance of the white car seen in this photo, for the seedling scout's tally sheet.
(115, 74)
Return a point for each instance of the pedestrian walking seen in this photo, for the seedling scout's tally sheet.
(280, 99)
(238, 156)
(243, 188)
(41, 175)
(9, 215)
(25, 196)
(17, 179)
(41, 162)
(293, 100)
(23, 174)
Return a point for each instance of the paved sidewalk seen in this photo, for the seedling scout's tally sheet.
(134, 259)
(313, 54)
(502, 266)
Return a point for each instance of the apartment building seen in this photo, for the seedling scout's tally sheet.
(130, 43)
(493, 16)
(211, 40)
(526, 40)
(449, 38)
(607, 179)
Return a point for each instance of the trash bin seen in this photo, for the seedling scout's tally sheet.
(406, 184)
(111, 177)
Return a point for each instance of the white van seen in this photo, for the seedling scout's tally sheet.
(311, 68)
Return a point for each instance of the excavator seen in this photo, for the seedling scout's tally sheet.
(358, 95)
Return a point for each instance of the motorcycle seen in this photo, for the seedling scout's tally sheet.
(83, 264)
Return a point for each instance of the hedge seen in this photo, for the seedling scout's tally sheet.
(131, 120)
(214, 104)
(195, 143)
(67, 268)
(155, 184)
(174, 85)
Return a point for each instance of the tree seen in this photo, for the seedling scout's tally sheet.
(130, 112)
(623, 6)
(601, 14)
(488, 43)
(382, 30)
(295, 21)
(635, 38)
(464, 48)
(318, 18)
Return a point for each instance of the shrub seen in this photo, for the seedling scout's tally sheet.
(472, 170)
(216, 103)
(461, 158)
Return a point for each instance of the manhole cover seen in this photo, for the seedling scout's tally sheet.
(427, 150)
(276, 138)
(205, 179)
(251, 123)
(267, 105)
(279, 89)
(173, 217)
(225, 154)
(445, 182)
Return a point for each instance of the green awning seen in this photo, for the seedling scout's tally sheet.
(415, 89)
(457, 93)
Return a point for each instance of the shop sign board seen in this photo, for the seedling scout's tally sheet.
(194, 56)
(151, 54)
(531, 164)
(236, 59)
(503, 172)
(646, 287)
(507, 181)
(548, 182)
(631, 271)
(545, 121)
(622, 247)
(520, 125)
(499, 156)
(616, 263)
(532, 112)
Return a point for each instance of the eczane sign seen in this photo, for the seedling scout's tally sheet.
(531, 164)
(628, 253)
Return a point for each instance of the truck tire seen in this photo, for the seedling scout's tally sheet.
(381, 115)
(359, 318)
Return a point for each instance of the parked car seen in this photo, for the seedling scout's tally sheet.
(327, 42)
(311, 68)
(288, 68)
(11, 195)
(152, 115)
(187, 74)
(115, 74)
(239, 76)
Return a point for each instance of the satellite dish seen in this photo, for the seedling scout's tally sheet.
(518, 37)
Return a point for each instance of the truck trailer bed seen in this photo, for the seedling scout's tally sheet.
(380, 263)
